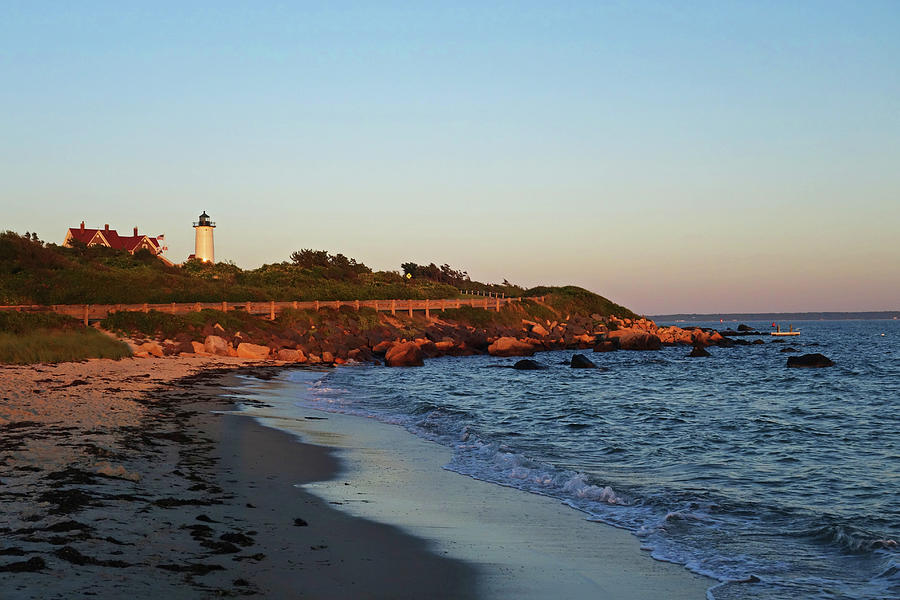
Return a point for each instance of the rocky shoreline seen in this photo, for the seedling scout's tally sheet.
(339, 336)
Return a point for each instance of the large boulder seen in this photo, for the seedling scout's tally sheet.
(607, 346)
(382, 347)
(429, 349)
(216, 345)
(445, 346)
(289, 355)
(810, 361)
(540, 330)
(674, 335)
(404, 354)
(528, 365)
(510, 346)
(248, 350)
(700, 337)
(630, 339)
(152, 349)
(699, 352)
(580, 361)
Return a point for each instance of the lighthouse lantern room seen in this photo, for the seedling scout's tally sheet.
(203, 240)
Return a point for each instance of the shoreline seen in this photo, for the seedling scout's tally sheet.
(125, 478)
(524, 545)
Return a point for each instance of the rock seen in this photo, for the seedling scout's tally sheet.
(382, 347)
(247, 350)
(117, 471)
(743, 327)
(810, 361)
(580, 361)
(429, 349)
(151, 348)
(539, 330)
(789, 349)
(510, 346)
(404, 354)
(584, 340)
(528, 365)
(216, 345)
(288, 355)
(757, 342)
(630, 339)
(327, 357)
(699, 337)
(444, 346)
(198, 348)
(699, 352)
(607, 346)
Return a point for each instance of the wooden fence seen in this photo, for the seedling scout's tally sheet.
(271, 308)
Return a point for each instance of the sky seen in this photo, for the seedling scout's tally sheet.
(672, 156)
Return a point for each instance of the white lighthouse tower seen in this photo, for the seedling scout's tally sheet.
(203, 240)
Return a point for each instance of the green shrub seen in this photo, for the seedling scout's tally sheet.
(572, 299)
(54, 345)
(23, 322)
(509, 315)
(151, 323)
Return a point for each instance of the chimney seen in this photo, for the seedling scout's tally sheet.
(106, 227)
(135, 232)
(82, 225)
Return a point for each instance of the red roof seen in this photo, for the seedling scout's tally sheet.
(109, 237)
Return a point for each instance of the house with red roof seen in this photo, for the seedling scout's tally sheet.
(111, 239)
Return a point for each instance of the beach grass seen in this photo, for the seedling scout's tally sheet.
(58, 345)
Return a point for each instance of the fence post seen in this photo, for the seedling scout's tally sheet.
(357, 305)
(410, 302)
(295, 305)
(457, 303)
(196, 307)
(248, 307)
(317, 306)
(393, 307)
(224, 306)
(443, 305)
(498, 304)
(146, 308)
(271, 310)
(86, 311)
(427, 311)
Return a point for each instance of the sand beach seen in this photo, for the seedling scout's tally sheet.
(135, 478)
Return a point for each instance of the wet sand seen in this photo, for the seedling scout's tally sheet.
(523, 546)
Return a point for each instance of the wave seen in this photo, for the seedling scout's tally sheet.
(738, 540)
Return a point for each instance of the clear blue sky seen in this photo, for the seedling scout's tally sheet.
(683, 156)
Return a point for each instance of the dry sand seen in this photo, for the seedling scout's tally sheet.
(117, 480)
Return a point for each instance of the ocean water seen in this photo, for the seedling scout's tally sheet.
(777, 482)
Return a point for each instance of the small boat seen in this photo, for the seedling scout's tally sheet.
(790, 331)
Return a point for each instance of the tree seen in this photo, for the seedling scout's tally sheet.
(410, 268)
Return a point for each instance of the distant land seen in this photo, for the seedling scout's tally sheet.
(787, 316)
